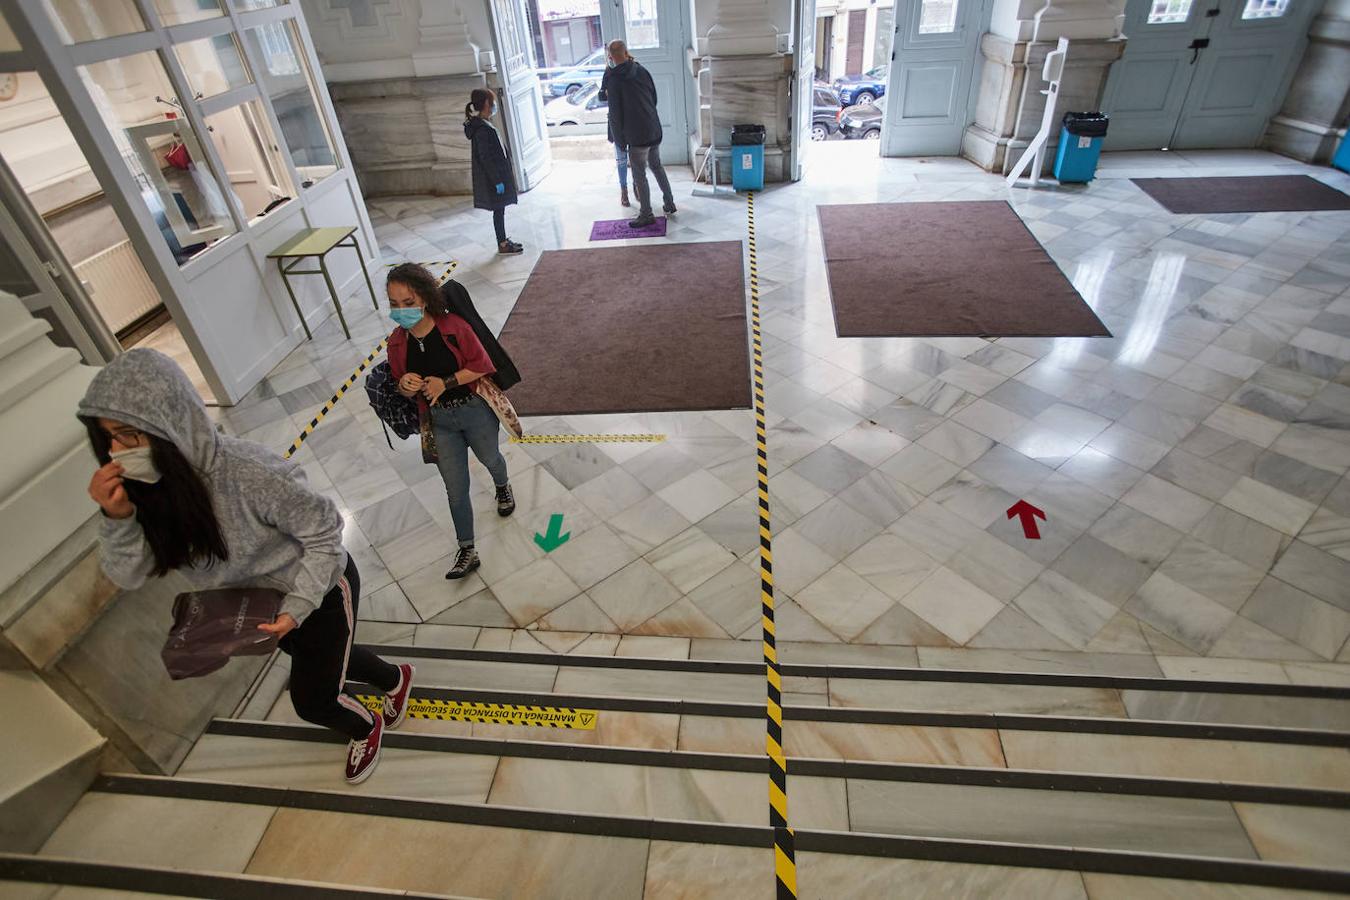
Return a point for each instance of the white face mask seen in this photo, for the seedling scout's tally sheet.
(138, 465)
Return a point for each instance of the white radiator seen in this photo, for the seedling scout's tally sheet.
(116, 280)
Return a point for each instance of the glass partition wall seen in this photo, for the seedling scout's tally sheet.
(203, 132)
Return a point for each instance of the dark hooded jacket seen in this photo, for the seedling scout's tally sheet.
(490, 166)
(457, 298)
(633, 117)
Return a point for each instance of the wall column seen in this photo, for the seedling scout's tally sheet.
(1312, 121)
(399, 77)
(1009, 104)
(743, 79)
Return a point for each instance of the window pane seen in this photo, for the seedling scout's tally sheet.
(8, 41)
(1264, 9)
(141, 111)
(80, 20)
(284, 76)
(213, 65)
(885, 36)
(641, 21)
(177, 12)
(14, 276)
(249, 151)
(257, 4)
(938, 17)
(1168, 12)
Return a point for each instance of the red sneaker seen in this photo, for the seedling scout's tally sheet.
(396, 701)
(364, 754)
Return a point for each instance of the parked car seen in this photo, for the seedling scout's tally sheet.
(824, 113)
(861, 122)
(862, 90)
(581, 108)
(586, 72)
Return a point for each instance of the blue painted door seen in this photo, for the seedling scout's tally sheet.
(1202, 73)
(927, 102)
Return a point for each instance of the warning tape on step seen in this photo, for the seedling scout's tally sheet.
(492, 713)
(589, 439)
(785, 857)
(333, 400)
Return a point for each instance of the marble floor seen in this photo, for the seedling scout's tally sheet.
(1192, 467)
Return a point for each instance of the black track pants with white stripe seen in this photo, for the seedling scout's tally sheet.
(323, 658)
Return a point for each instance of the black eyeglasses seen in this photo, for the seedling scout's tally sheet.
(127, 437)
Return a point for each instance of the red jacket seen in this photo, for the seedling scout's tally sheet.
(469, 352)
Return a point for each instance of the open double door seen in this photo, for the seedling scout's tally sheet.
(657, 34)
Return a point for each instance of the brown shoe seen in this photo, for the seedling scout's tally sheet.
(623, 197)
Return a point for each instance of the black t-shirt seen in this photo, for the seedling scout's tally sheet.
(432, 356)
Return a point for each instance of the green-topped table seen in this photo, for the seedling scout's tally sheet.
(319, 242)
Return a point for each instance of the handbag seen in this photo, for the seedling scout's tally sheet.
(209, 627)
(178, 156)
(486, 388)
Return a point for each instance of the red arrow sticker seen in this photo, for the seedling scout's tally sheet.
(1028, 514)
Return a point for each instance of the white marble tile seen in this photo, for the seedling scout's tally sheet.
(952, 605)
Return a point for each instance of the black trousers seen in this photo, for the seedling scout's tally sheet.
(499, 223)
(323, 658)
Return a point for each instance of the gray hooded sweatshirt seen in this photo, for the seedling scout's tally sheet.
(280, 534)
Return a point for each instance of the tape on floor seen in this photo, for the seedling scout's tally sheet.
(492, 713)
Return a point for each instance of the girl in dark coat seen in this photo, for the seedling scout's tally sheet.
(494, 184)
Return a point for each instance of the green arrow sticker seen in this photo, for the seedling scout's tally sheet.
(554, 539)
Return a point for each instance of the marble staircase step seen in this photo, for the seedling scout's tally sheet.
(1193, 818)
(504, 851)
(973, 691)
(1094, 744)
(37, 877)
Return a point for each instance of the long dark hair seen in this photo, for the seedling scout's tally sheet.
(478, 101)
(176, 514)
(422, 283)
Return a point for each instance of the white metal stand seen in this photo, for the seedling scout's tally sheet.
(1034, 155)
(710, 160)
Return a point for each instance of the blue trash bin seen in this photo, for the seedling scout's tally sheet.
(1342, 158)
(747, 157)
(1080, 144)
(747, 167)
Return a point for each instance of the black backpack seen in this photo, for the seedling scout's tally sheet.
(395, 410)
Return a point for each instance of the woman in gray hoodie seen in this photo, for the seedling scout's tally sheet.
(177, 495)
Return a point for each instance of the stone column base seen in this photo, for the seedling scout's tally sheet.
(406, 135)
(1010, 104)
(745, 89)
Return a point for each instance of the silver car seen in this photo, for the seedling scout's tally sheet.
(582, 108)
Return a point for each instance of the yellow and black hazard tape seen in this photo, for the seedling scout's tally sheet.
(346, 385)
(431, 264)
(588, 439)
(492, 713)
(785, 856)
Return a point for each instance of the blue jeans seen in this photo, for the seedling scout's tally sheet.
(621, 160)
(457, 429)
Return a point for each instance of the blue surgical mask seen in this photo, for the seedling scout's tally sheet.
(406, 317)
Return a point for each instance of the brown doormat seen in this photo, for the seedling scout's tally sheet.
(632, 329)
(1243, 194)
(966, 269)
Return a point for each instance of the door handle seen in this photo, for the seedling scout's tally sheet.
(1196, 46)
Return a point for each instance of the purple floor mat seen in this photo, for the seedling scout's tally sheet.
(618, 230)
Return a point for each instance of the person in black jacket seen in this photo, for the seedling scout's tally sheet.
(635, 124)
(494, 184)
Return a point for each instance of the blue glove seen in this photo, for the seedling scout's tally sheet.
(501, 188)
